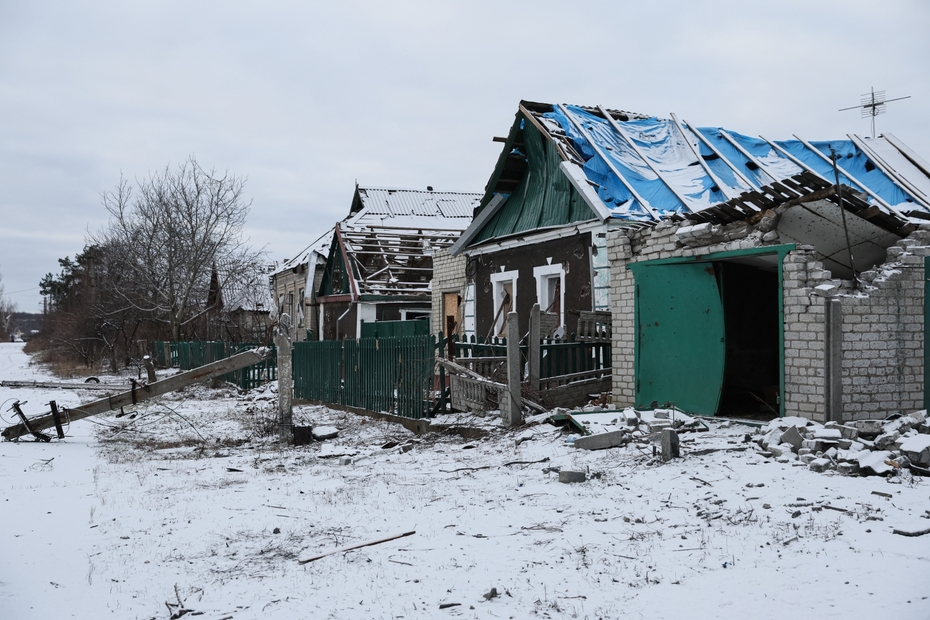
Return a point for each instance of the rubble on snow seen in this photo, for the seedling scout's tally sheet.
(865, 447)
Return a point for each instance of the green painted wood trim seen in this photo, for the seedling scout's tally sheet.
(781, 250)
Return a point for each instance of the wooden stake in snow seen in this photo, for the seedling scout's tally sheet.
(358, 546)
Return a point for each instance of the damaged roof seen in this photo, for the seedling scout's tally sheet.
(638, 168)
(389, 238)
(400, 208)
(389, 261)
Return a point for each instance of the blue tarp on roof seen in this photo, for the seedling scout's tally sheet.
(645, 169)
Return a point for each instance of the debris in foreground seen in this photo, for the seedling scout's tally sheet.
(358, 546)
(140, 392)
(861, 447)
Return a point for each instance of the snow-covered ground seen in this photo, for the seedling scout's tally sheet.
(191, 501)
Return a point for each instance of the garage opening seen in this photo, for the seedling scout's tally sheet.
(751, 323)
(709, 334)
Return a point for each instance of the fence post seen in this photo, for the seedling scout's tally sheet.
(534, 348)
(282, 339)
(512, 407)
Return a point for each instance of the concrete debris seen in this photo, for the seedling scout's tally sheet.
(321, 433)
(600, 441)
(917, 449)
(863, 447)
(793, 437)
(572, 476)
(670, 446)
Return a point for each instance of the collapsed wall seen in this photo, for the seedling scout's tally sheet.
(850, 352)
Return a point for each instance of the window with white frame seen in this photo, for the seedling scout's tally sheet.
(505, 294)
(550, 290)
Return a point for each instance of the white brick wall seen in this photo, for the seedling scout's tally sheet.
(448, 277)
(882, 343)
(883, 335)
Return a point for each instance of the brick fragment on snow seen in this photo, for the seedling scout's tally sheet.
(821, 465)
(917, 449)
(792, 437)
(874, 462)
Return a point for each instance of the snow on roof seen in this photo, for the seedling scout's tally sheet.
(413, 208)
(396, 208)
(646, 168)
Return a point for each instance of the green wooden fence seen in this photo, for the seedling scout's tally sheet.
(189, 355)
(558, 356)
(388, 375)
(566, 357)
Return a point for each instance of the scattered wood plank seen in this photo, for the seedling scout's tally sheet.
(353, 547)
(452, 471)
(707, 451)
(911, 532)
(829, 507)
(880, 494)
(542, 460)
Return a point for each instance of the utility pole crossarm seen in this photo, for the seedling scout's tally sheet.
(143, 391)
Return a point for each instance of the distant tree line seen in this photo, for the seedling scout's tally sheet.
(171, 264)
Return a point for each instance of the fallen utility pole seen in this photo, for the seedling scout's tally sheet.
(140, 392)
(358, 546)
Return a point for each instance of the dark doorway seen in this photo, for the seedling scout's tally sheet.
(751, 322)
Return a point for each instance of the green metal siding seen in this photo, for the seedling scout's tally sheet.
(394, 329)
(543, 198)
(681, 349)
(390, 375)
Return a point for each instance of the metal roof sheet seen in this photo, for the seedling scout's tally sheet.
(420, 203)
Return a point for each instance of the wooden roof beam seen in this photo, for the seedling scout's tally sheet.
(882, 165)
(655, 170)
(748, 155)
(610, 165)
(861, 185)
(729, 164)
(725, 189)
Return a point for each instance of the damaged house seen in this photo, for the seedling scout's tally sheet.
(294, 285)
(379, 263)
(744, 276)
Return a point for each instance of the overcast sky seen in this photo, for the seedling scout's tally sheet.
(306, 98)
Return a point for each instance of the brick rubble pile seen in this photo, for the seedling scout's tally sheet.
(862, 447)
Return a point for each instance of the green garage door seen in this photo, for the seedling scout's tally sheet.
(680, 337)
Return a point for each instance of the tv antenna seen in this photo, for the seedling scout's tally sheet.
(873, 104)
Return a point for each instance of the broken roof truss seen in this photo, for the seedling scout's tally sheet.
(649, 169)
(389, 261)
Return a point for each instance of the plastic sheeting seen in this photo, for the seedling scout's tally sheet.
(661, 176)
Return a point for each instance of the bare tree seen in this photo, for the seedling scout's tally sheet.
(171, 231)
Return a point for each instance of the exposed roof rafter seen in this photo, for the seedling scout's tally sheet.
(643, 156)
(645, 205)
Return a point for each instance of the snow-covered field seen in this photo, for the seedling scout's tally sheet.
(191, 502)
